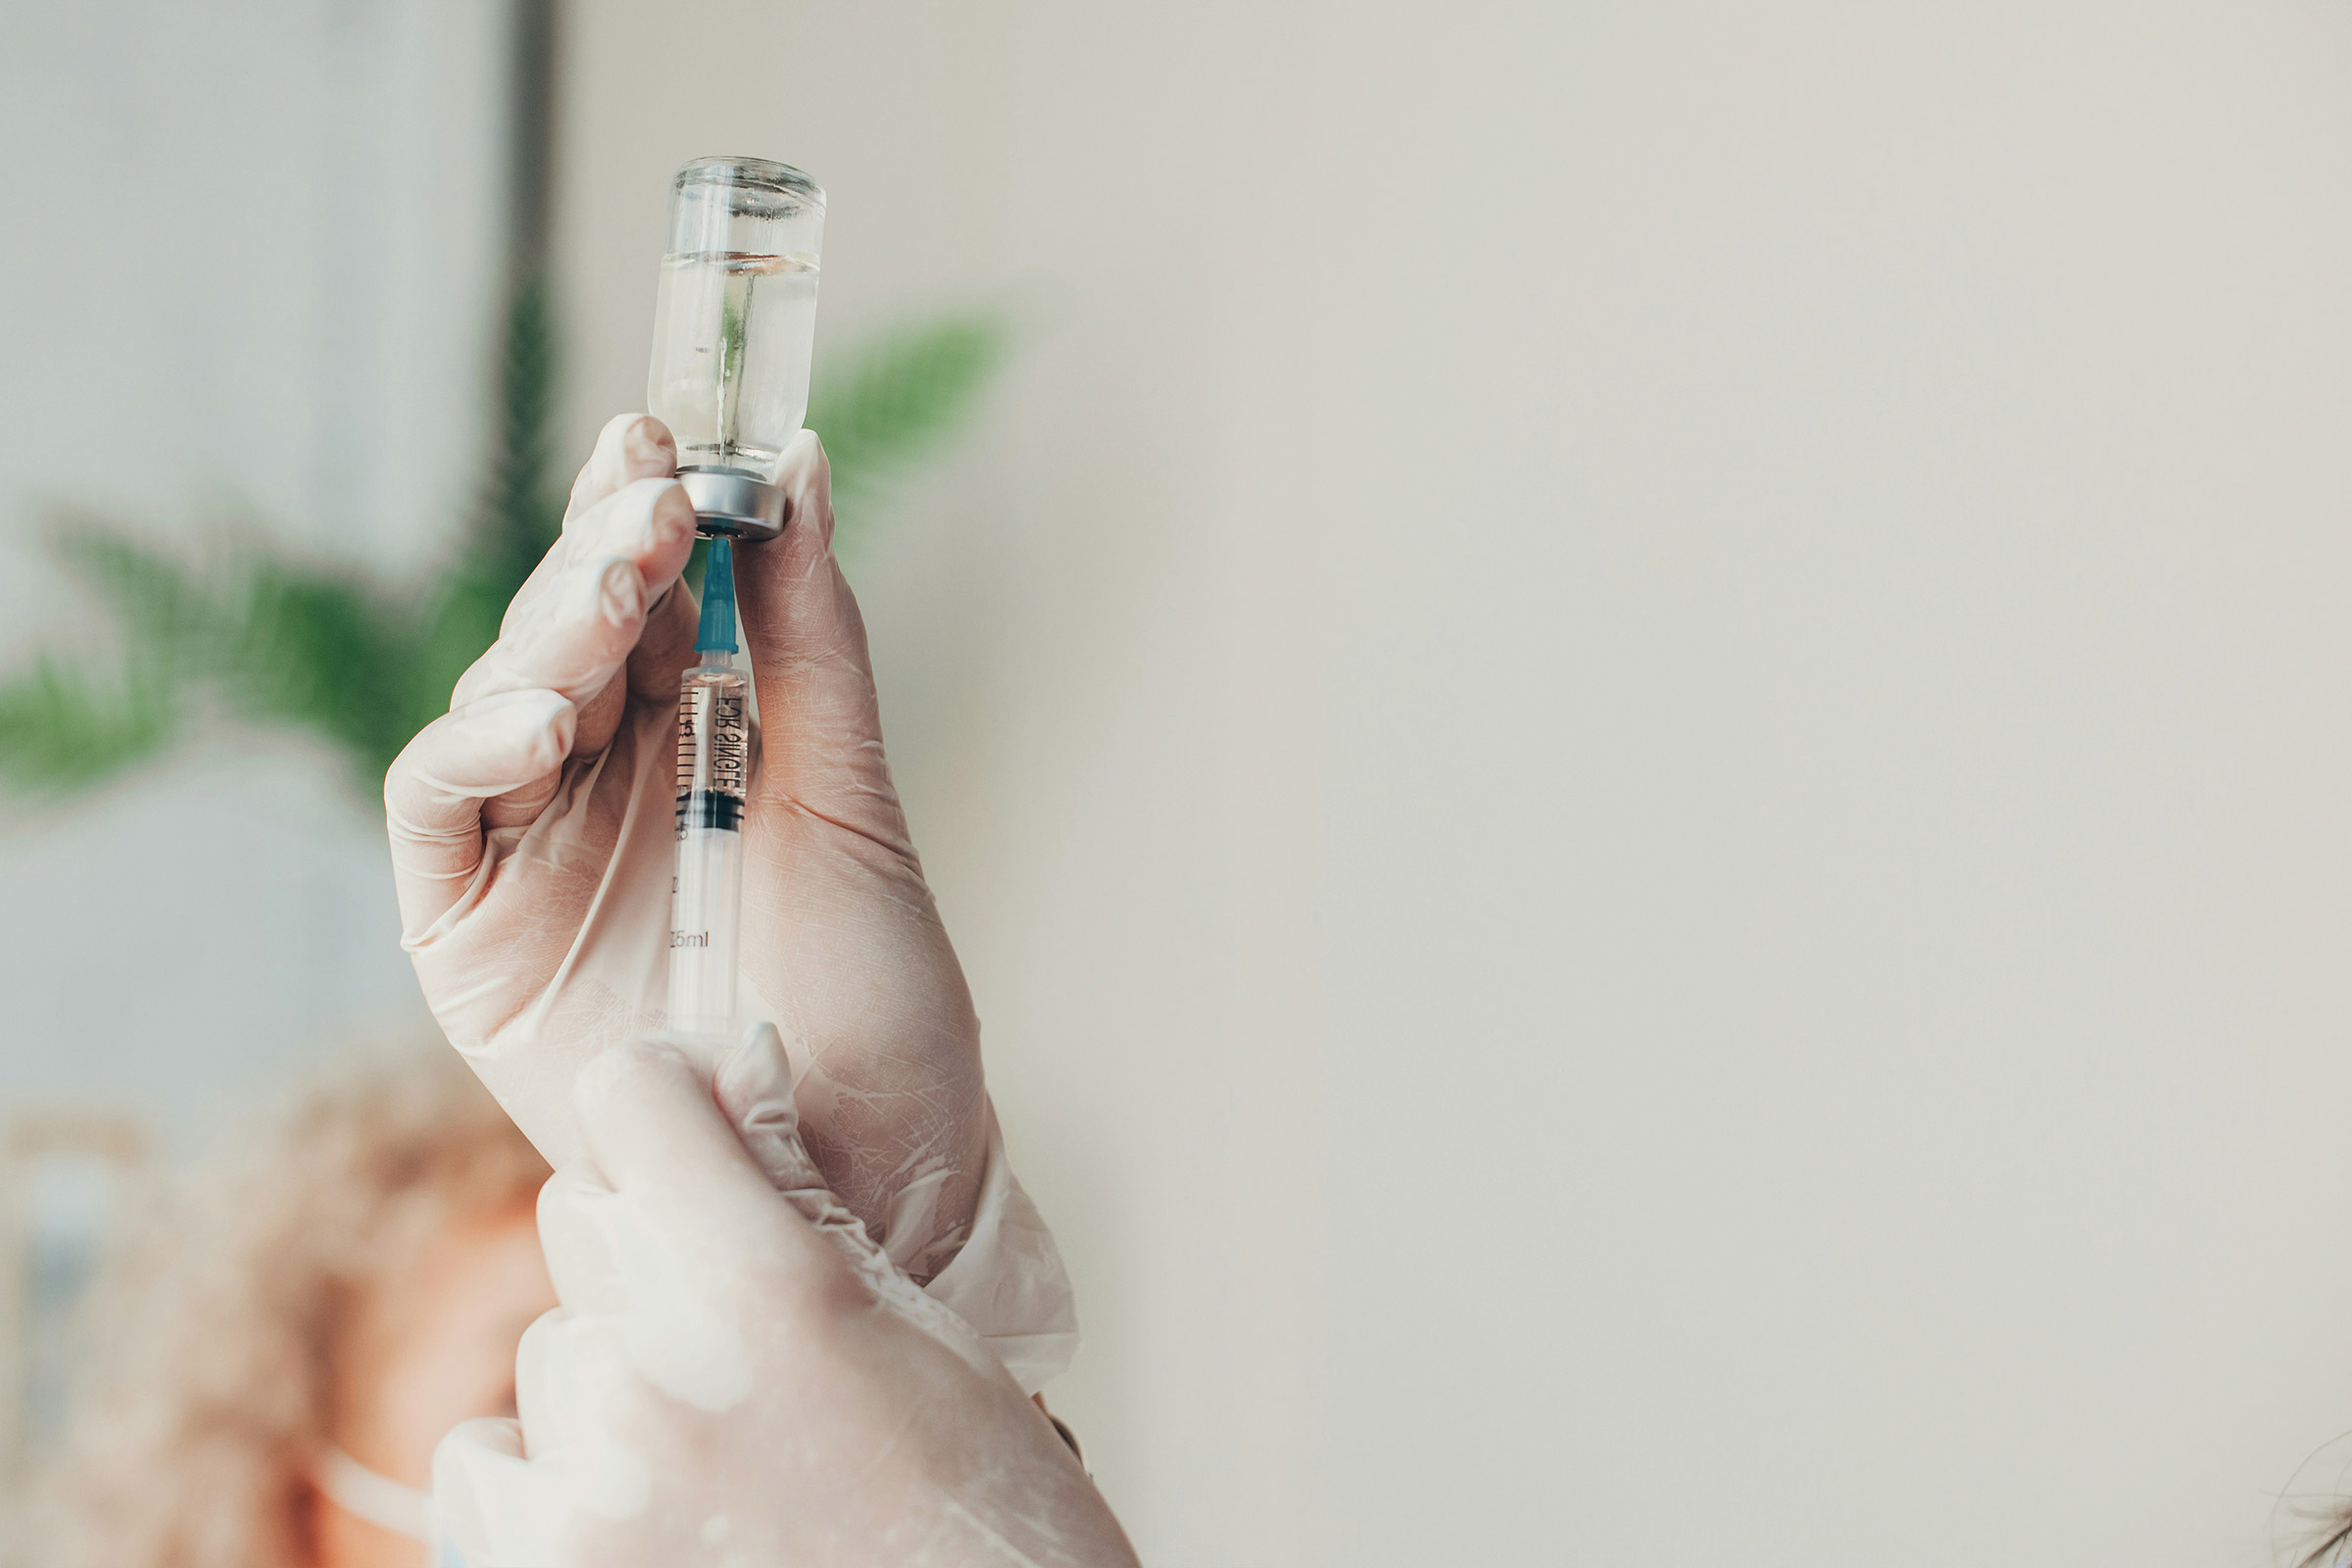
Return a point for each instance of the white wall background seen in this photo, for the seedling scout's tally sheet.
(1637, 729)
(252, 253)
(1637, 719)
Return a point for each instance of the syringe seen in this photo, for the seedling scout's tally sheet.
(714, 752)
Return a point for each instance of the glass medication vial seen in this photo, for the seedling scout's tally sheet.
(715, 757)
(733, 329)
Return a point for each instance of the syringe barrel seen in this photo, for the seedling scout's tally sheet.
(706, 887)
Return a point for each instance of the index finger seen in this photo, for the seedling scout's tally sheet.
(630, 447)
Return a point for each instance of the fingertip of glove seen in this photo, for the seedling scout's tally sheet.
(760, 1048)
(805, 474)
(461, 1453)
(662, 497)
(460, 1460)
(553, 720)
(804, 447)
(527, 731)
(664, 494)
(754, 1078)
(647, 441)
(617, 430)
(630, 443)
(497, 1434)
(651, 510)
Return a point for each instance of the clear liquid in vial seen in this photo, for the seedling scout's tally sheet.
(733, 333)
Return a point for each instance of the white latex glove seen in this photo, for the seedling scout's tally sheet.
(738, 1377)
(531, 838)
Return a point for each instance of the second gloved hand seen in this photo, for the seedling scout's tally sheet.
(738, 1375)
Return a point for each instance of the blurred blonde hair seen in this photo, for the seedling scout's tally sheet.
(209, 1389)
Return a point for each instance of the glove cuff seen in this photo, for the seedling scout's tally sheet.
(1009, 1282)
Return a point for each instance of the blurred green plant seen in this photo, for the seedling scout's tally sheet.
(251, 630)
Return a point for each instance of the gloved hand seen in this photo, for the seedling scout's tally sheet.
(740, 1377)
(531, 837)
